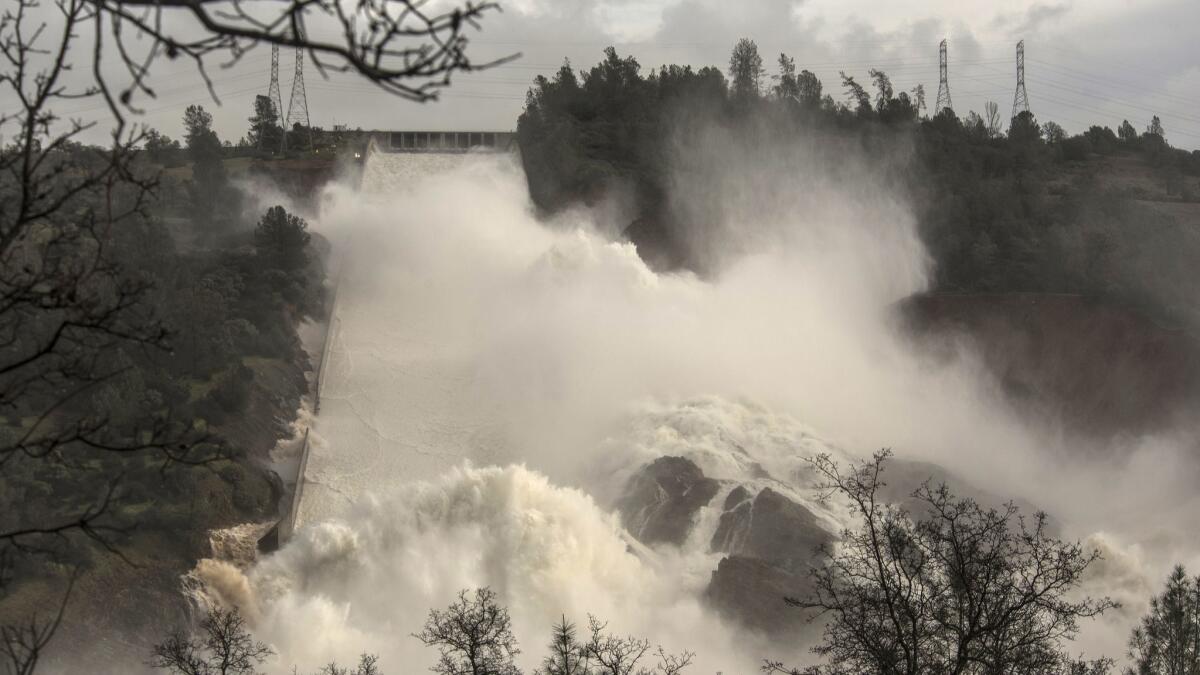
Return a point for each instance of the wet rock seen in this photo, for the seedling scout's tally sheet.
(773, 542)
(661, 500)
(734, 524)
(751, 592)
(736, 496)
(771, 528)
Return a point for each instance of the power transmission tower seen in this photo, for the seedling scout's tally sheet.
(273, 94)
(298, 105)
(1020, 98)
(943, 99)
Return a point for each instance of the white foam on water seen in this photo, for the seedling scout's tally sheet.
(494, 380)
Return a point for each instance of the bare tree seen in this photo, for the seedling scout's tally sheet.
(1054, 132)
(66, 304)
(918, 93)
(991, 112)
(21, 645)
(224, 647)
(368, 664)
(473, 635)
(616, 655)
(406, 47)
(961, 589)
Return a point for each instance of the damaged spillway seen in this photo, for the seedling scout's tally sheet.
(526, 406)
(397, 397)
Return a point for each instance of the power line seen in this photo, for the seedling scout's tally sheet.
(1117, 84)
(1057, 86)
(163, 94)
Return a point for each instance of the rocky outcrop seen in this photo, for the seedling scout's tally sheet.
(772, 542)
(735, 522)
(771, 528)
(661, 500)
(751, 592)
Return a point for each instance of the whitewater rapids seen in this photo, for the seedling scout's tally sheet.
(494, 381)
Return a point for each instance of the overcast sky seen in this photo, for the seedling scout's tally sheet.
(1087, 61)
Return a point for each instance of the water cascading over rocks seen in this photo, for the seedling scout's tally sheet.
(513, 403)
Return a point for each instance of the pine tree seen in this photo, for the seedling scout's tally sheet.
(567, 655)
(746, 69)
(1168, 641)
(788, 88)
(1156, 128)
(281, 238)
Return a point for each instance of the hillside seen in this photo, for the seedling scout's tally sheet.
(1096, 367)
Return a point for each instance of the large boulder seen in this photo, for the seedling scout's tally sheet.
(661, 500)
(751, 592)
(771, 528)
(773, 542)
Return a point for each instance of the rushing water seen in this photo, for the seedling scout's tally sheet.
(493, 381)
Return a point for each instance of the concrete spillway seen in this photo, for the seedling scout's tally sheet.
(397, 396)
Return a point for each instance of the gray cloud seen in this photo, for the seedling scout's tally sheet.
(1022, 23)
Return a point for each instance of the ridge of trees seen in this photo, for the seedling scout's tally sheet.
(1027, 208)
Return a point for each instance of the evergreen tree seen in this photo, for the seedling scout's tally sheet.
(210, 185)
(809, 87)
(883, 88)
(746, 69)
(1126, 132)
(1024, 128)
(787, 88)
(265, 132)
(856, 95)
(161, 148)
(282, 239)
(197, 125)
(1168, 640)
(1156, 127)
(567, 655)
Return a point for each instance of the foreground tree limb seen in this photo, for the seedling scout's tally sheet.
(67, 305)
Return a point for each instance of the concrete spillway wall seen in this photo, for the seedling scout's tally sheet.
(282, 532)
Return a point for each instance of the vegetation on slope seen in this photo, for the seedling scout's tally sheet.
(1111, 215)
